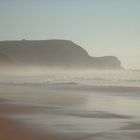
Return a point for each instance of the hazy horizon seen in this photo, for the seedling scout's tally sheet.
(101, 27)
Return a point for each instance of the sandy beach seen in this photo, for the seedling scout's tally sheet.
(69, 112)
(12, 130)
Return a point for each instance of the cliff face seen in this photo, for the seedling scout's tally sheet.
(106, 62)
(55, 53)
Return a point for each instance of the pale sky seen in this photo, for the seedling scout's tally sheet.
(102, 27)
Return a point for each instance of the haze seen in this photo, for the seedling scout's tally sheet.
(102, 27)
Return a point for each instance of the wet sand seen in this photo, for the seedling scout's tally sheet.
(97, 116)
(13, 130)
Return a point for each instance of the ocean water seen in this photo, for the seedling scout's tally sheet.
(98, 105)
(129, 78)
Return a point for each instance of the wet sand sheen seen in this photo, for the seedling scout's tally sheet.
(11, 129)
(66, 108)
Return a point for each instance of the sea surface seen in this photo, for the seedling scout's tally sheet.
(100, 78)
(98, 105)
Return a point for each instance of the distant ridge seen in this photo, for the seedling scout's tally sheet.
(54, 53)
(6, 60)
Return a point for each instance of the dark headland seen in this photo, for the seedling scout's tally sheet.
(52, 53)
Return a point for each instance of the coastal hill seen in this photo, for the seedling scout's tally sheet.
(6, 60)
(53, 53)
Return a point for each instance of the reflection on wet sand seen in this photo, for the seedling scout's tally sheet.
(54, 113)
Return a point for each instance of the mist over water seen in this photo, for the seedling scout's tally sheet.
(36, 75)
